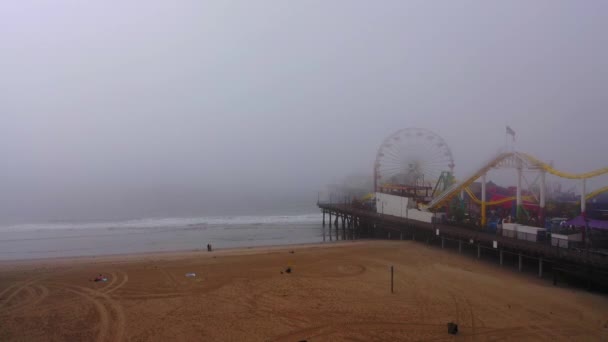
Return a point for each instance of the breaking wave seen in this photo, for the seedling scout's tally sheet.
(175, 222)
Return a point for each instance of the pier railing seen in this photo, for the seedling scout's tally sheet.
(543, 248)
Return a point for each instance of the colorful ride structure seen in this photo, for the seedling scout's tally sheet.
(418, 164)
(518, 161)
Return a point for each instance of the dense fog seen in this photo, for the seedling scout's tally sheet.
(129, 109)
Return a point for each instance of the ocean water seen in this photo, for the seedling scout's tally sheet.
(33, 241)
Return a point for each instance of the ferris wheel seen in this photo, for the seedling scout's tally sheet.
(412, 157)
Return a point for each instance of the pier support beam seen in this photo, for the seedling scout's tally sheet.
(519, 267)
(337, 232)
(459, 246)
(348, 225)
(583, 212)
(541, 210)
(442, 242)
(540, 267)
(554, 273)
(329, 220)
(401, 236)
(583, 195)
(483, 200)
(478, 251)
(500, 257)
(518, 192)
(323, 233)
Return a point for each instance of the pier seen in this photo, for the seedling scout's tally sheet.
(344, 221)
(417, 197)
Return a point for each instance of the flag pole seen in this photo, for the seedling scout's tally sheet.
(506, 142)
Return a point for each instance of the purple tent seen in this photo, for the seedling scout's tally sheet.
(579, 221)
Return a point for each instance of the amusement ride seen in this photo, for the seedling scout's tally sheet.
(417, 163)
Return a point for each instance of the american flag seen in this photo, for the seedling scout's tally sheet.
(511, 132)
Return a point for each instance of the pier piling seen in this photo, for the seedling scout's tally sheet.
(519, 268)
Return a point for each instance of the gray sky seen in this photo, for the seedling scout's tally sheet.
(151, 108)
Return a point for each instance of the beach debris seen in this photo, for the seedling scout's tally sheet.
(291, 252)
(191, 275)
(288, 270)
(99, 278)
(452, 328)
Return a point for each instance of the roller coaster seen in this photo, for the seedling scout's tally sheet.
(596, 192)
(411, 158)
(496, 202)
(519, 161)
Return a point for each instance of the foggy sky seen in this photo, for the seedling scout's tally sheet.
(152, 108)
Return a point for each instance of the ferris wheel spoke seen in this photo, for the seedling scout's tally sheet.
(413, 155)
(437, 155)
(392, 171)
(392, 155)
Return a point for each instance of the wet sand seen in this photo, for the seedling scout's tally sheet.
(335, 292)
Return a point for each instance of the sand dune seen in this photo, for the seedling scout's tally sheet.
(335, 292)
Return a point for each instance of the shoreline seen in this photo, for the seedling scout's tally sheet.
(170, 255)
(95, 242)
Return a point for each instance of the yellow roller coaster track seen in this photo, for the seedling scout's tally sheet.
(596, 192)
(523, 157)
(497, 202)
(528, 198)
(562, 174)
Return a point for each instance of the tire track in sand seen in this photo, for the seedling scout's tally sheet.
(103, 324)
(34, 295)
(111, 288)
(17, 288)
(112, 321)
(10, 287)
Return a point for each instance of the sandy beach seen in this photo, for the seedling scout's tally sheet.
(336, 292)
